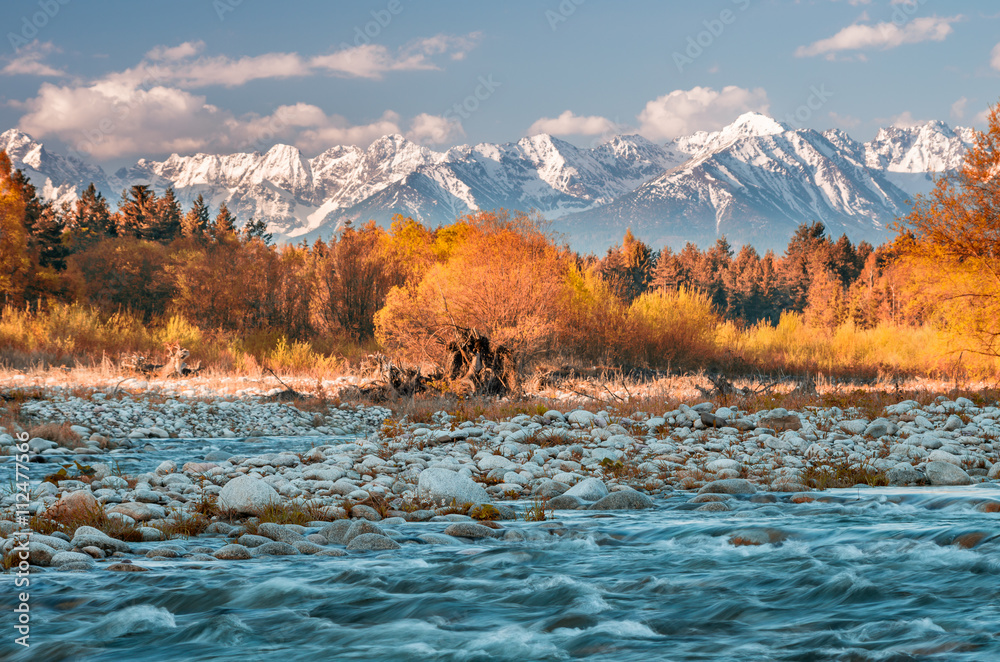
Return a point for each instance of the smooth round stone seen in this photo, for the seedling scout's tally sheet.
(469, 530)
(728, 486)
(359, 528)
(623, 500)
(63, 558)
(250, 540)
(275, 548)
(372, 542)
(232, 552)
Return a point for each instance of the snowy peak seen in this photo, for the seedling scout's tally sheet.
(747, 125)
(930, 147)
(57, 178)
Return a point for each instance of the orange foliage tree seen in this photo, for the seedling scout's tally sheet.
(496, 273)
(953, 244)
(14, 263)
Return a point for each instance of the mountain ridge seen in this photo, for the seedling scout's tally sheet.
(753, 180)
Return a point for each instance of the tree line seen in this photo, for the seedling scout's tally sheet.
(408, 286)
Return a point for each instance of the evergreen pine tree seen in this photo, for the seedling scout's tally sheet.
(90, 220)
(135, 211)
(165, 223)
(256, 229)
(224, 227)
(195, 222)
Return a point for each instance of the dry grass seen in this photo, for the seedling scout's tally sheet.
(75, 335)
(291, 513)
(842, 473)
(60, 433)
(537, 512)
(69, 522)
(185, 527)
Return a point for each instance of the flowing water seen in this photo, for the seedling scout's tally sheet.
(874, 574)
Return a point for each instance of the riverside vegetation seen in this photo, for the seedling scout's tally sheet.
(82, 285)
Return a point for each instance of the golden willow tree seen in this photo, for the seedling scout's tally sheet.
(14, 262)
(950, 243)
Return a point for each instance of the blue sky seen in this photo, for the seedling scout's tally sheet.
(116, 80)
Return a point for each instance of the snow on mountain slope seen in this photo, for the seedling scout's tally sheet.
(753, 180)
(931, 147)
(57, 178)
(754, 186)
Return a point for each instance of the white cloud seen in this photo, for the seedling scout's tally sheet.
(905, 120)
(28, 61)
(958, 108)
(110, 120)
(180, 52)
(149, 109)
(336, 130)
(434, 130)
(881, 36)
(184, 67)
(683, 112)
(107, 120)
(375, 60)
(570, 124)
(995, 57)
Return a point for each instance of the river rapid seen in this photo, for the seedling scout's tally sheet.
(856, 574)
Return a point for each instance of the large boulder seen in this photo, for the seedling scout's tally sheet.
(140, 512)
(903, 473)
(247, 495)
(232, 552)
(88, 536)
(780, 420)
(73, 505)
(728, 486)
(360, 528)
(367, 542)
(443, 485)
(946, 473)
(588, 489)
(623, 500)
(470, 530)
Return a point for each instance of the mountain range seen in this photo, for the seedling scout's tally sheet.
(753, 181)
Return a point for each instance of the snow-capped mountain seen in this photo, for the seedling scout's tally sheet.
(57, 178)
(753, 181)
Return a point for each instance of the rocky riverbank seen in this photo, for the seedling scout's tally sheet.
(363, 481)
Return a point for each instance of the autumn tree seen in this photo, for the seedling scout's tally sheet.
(164, 224)
(628, 268)
(90, 220)
(14, 261)
(503, 277)
(955, 242)
(135, 211)
(196, 220)
(353, 275)
(224, 226)
(808, 243)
